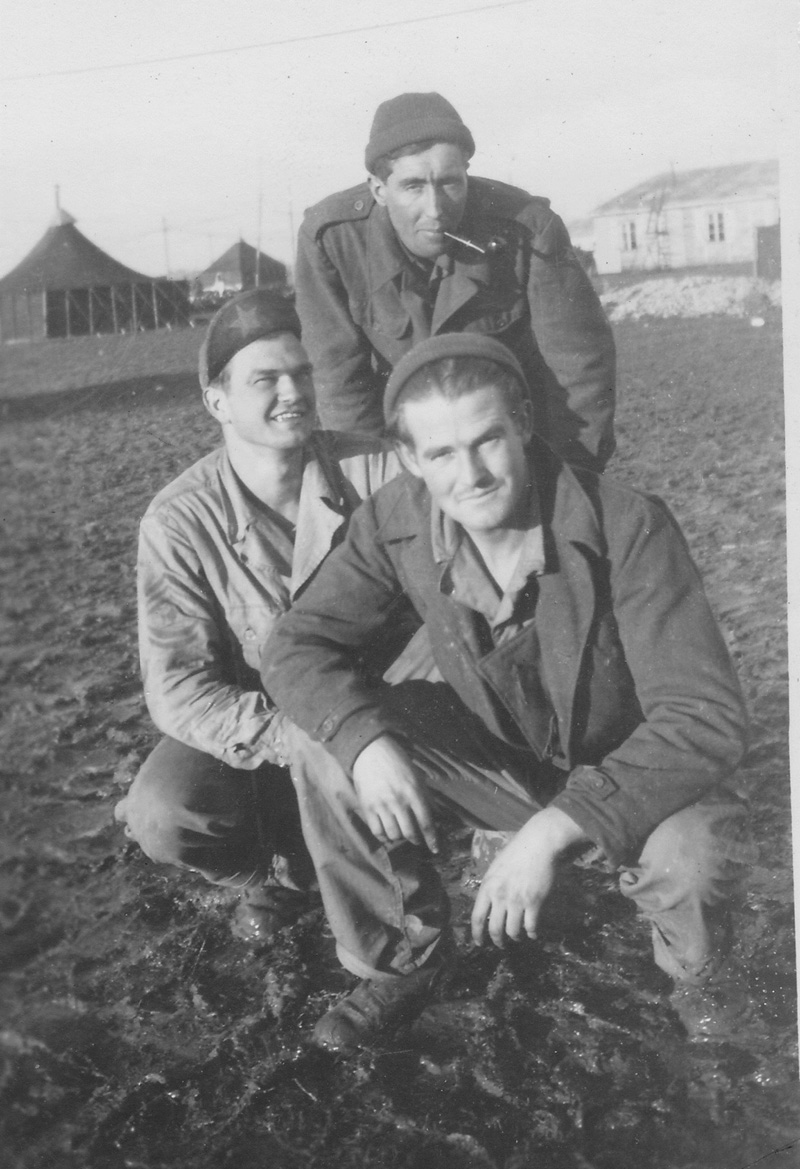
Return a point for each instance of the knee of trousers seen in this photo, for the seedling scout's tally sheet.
(700, 853)
(179, 799)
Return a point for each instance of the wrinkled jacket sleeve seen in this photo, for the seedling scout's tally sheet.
(695, 725)
(186, 657)
(349, 391)
(310, 664)
(575, 339)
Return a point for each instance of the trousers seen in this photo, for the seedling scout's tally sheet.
(387, 906)
(237, 828)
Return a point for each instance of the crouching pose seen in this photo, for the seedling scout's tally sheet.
(587, 697)
(223, 551)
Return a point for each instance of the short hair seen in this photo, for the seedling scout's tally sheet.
(453, 378)
(223, 379)
(384, 164)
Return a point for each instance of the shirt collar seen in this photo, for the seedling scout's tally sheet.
(464, 577)
(320, 483)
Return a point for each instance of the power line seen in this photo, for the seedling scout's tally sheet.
(265, 44)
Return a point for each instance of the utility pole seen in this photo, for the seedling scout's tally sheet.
(291, 230)
(258, 238)
(166, 245)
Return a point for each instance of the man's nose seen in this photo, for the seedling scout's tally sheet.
(288, 385)
(471, 468)
(434, 201)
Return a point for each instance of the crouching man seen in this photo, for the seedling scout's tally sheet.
(223, 551)
(588, 695)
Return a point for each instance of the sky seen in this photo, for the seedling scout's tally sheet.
(165, 162)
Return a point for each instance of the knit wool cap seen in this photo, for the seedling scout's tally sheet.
(415, 117)
(239, 322)
(446, 345)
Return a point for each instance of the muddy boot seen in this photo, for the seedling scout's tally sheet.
(378, 1007)
(715, 1010)
(263, 910)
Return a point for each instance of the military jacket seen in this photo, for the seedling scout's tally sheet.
(360, 306)
(623, 650)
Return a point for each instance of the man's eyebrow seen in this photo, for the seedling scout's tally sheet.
(279, 369)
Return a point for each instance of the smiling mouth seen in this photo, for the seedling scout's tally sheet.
(478, 496)
(291, 415)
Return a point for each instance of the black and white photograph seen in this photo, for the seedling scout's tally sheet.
(397, 612)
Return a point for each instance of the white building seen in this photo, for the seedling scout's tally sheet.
(689, 219)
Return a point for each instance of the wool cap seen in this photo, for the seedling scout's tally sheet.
(446, 345)
(415, 117)
(243, 319)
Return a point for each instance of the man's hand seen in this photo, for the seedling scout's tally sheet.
(392, 798)
(520, 877)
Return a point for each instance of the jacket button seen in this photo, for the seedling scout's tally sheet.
(598, 781)
(249, 634)
(359, 204)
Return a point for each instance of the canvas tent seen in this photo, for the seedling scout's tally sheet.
(235, 271)
(67, 287)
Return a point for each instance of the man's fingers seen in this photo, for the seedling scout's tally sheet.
(531, 922)
(480, 911)
(497, 925)
(384, 826)
(513, 924)
(427, 827)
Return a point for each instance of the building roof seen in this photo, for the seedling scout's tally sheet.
(64, 258)
(238, 264)
(710, 184)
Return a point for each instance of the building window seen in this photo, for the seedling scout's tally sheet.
(629, 236)
(716, 227)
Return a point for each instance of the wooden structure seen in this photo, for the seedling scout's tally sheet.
(68, 287)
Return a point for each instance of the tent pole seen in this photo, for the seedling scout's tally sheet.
(133, 306)
(91, 315)
(114, 308)
(155, 304)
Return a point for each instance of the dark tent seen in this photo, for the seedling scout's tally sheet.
(67, 287)
(235, 271)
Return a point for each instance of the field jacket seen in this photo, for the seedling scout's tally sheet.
(210, 591)
(623, 651)
(361, 310)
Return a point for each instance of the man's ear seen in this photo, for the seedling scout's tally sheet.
(408, 458)
(215, 401)
(378, 188)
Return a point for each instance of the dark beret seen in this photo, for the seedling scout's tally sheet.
(415, 117)
(446, 345)
(240, 321)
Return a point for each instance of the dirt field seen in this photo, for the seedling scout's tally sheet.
(137, 1034)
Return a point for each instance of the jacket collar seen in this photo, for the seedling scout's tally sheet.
(326, 501)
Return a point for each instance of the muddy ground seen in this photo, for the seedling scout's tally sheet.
(138, 1033)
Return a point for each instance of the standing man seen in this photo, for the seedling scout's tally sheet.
(422, 249)
(223, 551)
(588, 696)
